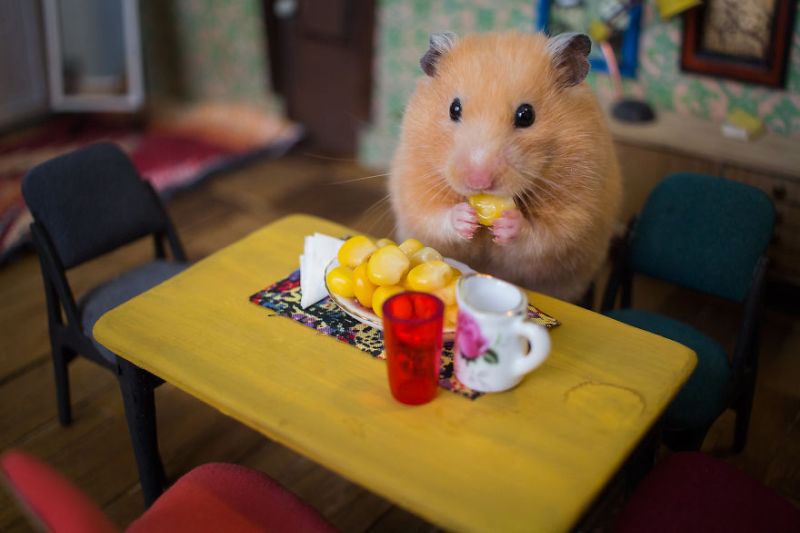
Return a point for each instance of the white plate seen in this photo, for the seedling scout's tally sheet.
(366, 316)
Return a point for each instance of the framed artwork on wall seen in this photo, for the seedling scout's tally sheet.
(558, 16)
(744, 40)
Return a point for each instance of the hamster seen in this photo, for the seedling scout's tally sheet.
(509, 114)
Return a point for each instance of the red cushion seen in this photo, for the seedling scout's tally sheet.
(690, 492)
(225, 497)
(50, 499)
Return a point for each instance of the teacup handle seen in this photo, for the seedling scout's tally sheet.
(539, 340)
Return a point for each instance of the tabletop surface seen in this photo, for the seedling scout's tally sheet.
(533, 458)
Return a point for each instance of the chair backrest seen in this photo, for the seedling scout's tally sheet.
(703, 232)
(90, 202)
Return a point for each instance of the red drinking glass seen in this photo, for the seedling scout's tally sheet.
(412, 337)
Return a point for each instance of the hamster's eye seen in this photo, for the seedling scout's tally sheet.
(523, 117)
(455, 110)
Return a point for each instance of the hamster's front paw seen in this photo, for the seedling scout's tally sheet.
(506, 228)
(464, 220)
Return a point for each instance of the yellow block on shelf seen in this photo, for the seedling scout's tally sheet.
(739, 124)
(670, 8)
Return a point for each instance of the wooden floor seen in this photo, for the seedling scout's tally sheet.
(95, 451)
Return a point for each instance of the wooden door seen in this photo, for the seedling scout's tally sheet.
(321, 63)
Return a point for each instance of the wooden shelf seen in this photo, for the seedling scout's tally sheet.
(768, 153)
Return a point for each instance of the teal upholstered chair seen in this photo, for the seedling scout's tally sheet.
(708, 234)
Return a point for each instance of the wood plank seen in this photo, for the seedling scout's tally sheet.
(783, 473)
(81, 451)
(250, 199)
(643, 168)
(782, 189)
(190, 434)
(23, 317)
(95, 451)
(346, 505)
(29, 401)
(400, 521)
(702, 138)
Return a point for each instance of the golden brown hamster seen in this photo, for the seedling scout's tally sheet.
(508, 114)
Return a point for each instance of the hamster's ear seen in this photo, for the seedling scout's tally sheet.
(440, 44)
(569, 53)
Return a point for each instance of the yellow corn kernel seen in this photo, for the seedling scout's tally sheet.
(363, 288)
(355, 251)
(423, 255)
(380, 243)
(340, 281)
(411, 246)
(381, 295)
(489, 207)
(450, 316)
(387, 265)
(429, 276)
(447, 294)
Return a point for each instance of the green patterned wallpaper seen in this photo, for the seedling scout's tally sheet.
(206, 50)
(401, 38)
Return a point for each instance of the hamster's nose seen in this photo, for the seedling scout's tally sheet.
(479, 178)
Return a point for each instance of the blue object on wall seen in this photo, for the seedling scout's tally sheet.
(628, 54)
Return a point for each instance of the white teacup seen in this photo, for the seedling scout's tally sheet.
(493, 334)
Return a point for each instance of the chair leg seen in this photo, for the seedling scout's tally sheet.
(684, 440)
(61, 358)
(743, 407)
(740, 431)
(587, 300)
(140, 411)
(644, 457)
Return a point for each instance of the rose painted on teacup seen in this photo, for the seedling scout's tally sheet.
(470, 341)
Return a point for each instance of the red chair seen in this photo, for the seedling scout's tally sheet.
(212, 497)
(693, 492)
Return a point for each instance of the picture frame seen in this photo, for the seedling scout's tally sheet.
(626, 45)
(742, 40)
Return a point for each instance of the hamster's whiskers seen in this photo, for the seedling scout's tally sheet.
(374, 176)
(330, 158)
(441, 188)
(576, 192)
(541, 188)
(376, 204)
(536, 192)
(381, 216)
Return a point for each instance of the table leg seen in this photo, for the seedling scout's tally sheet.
(140, 411)
(600, 516)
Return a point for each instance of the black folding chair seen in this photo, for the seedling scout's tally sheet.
(84, 205)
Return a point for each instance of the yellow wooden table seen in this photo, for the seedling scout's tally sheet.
(530, 459)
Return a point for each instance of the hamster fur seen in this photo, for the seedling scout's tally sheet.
(561, 170)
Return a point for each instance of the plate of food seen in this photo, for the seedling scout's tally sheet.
(354, 307)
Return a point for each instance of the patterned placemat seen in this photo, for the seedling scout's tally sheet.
(283, 297)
